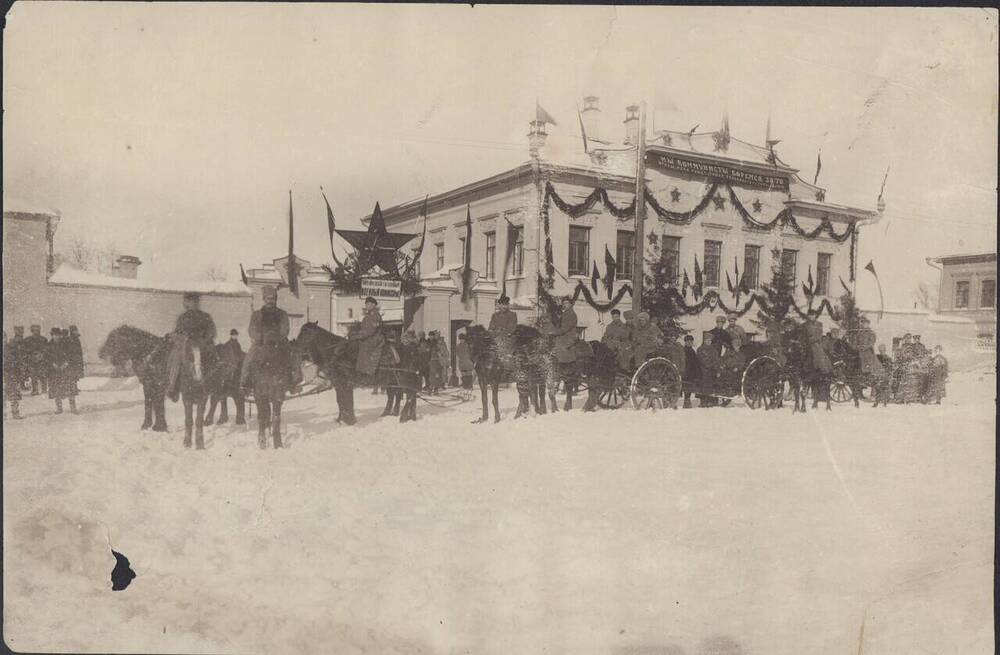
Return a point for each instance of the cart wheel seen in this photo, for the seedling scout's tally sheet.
(616, 395)
(655, 385)
(840, 392)
(764, 383)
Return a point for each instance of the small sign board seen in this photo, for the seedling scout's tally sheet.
(377, 288)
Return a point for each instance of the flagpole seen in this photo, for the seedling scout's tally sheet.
(640, 213)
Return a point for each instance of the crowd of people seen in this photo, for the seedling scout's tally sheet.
(711, 372)
(35, 365)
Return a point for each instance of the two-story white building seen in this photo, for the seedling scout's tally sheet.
(711, 197)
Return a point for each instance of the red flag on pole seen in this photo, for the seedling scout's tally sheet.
(467, 264)
(293, 270)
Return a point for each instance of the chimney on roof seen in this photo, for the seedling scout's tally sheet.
(591, 116)
(536, 138)
(632, 125)
(126, 266)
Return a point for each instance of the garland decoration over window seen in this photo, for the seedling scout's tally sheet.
(711, 301)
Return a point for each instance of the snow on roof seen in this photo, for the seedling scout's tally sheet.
(70, 275)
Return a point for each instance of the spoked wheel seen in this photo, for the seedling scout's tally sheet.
(655, 385)
(840, 392)
(616, 395)
(764, 383)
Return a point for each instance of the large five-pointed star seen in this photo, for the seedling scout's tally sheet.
(376, 246)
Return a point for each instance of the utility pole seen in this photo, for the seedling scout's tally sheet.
(640, 213)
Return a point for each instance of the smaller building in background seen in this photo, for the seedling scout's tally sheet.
(968, 288)
(317, 300)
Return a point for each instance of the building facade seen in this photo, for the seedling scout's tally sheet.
(968, 288)
(713, 203)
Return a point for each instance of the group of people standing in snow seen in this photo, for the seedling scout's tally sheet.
(41, 365)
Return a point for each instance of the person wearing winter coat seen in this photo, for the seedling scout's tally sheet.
(721, 340)
(75, 352)
(617, 337)
(463, 359)
(12, 376)
(646, 339)
(691, 373)
(62, 384)
(733, 363)
(370, 339)
(564, 341)
(34, 350)
(710, 363)
(937, 377)
(440, 362)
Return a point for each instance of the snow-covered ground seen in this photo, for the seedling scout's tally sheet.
(687, 532)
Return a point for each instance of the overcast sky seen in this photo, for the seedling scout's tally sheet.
(176, 130)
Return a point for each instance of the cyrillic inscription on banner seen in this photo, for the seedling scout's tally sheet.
(381, 288)
(717, 171)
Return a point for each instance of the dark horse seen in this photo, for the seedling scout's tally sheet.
(198, 373)
(336, 358)
(529, 363)
(148, 354)
(271, 378)
(227, 386)
(802, 371)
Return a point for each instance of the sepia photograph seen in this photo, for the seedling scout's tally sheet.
(480, 329)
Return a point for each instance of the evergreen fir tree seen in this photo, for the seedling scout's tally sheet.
(657, 295)
(778, 294)
(850, 319)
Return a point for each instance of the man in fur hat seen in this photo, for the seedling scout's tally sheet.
(196, 327)
(370, 339)
(269, 327)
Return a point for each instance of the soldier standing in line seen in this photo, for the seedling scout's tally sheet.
(17, 350)
(35, 349)
(12, 373)
(463, 359)
(62, 384)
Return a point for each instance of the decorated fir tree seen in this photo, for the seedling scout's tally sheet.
(777, 295)
(850, 319)
(660, 293)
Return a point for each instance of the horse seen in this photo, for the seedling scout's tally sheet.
(270, 377)
(227, 385)
(197, 372)
(336, 359)
(804, 372)
(148, 354)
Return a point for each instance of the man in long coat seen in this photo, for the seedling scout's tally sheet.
(564, 332)
(720, 338)
(268, 327)
(197, 328)
(646, 338)
(819, 359)
(710, 363)
(370, 339)
(62, 384)
(75, 349)
(691, 373)
(34, 352)
(734, 330)
(463, 360)
(617, 338)
(501, 328)
(12, 374)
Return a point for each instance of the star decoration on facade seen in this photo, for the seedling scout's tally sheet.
(721, 140)
(720, 202)
(675, 195)
(820, 195)
(376, 246)
(651, 238)
(756, 205)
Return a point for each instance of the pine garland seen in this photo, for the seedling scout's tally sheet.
(784, 217)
